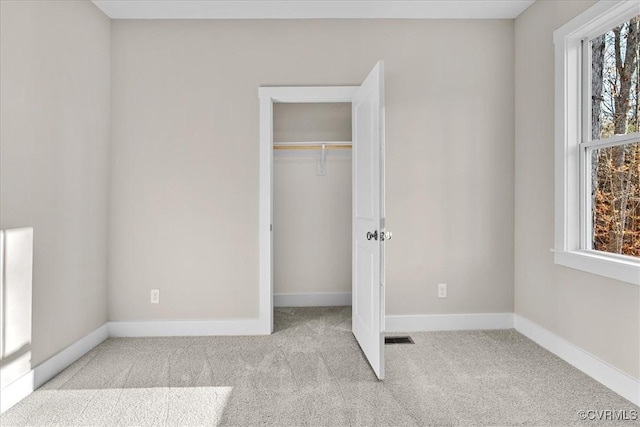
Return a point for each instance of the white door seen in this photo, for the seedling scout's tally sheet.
(368, 218)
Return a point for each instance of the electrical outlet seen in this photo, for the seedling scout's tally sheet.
(442, 290)
(155, 296)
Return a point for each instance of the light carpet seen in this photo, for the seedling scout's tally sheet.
(311, 372)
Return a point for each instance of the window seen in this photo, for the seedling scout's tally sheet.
(598, 141)
(611, 142)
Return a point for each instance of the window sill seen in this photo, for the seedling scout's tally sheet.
(602, 265)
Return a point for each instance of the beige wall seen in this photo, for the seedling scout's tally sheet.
(311, 213)
(184, 170)
(597, 314)
(54, 81)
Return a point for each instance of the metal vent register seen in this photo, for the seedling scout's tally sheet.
(398, 340)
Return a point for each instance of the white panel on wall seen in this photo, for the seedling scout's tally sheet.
(16, 287)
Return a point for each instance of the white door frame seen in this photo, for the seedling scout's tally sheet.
(268, 96)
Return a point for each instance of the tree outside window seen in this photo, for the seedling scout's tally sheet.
(613, 152)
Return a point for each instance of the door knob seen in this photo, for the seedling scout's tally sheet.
(373, 235)
(387, 235)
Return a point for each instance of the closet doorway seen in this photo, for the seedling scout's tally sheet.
(368, 235)
(312, 204)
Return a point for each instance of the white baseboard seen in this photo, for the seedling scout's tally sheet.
(16, 391)
(321, 299)
(611, 377)
(186, 328)
(448, 322)
(57, 363)
(25, 385)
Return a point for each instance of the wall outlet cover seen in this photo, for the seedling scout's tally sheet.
(155, 296)
(442, 290)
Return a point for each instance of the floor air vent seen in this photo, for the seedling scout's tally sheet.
(398, 340)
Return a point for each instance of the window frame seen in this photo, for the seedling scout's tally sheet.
(572, 246)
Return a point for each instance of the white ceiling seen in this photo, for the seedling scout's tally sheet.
(312, 9)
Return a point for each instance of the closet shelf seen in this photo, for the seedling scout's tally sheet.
(328, 145)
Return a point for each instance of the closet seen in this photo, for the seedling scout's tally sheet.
(312, 204)
(322, 240)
